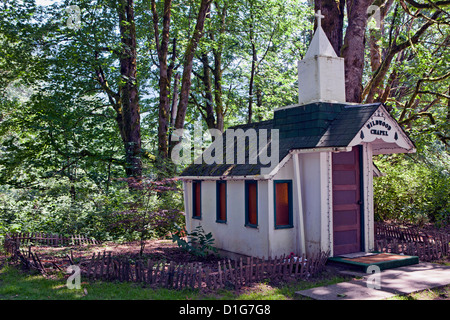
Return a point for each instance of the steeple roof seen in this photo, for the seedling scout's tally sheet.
(320, 45)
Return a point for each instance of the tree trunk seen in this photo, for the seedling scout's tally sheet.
(252, 79)
(174, 107)
(353, 49)
(162, 48)
(129, 121)
(187, 65)
(254, 61)
(217, 71)
(206, 78)
(375, 50)
(333, 23)
(218, 92)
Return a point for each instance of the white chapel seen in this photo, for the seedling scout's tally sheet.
(319, 195)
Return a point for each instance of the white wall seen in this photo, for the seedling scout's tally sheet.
(265, 240)
(233, 235)
(311, 193)
(367, 172)
(283, 241)
(316, 191)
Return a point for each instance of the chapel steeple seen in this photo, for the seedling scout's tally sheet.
(321, 75)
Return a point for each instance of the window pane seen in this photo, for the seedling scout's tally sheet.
(252, 204)
(197, 199)
(282, 204)
(222, 202)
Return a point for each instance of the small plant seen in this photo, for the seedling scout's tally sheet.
(199, 244)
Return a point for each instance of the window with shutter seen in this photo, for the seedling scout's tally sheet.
(251, 203)
(283, 203)
(221, 197)
(197, 200)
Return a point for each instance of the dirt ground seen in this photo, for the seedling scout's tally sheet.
(156, 250)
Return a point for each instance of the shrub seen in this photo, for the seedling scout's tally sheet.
(151, 213)
(412, 190)
(199, 243)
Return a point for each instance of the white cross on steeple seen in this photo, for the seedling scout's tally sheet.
(319, 17)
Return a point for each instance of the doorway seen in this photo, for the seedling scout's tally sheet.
(346, 201)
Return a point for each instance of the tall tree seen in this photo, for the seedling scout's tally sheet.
(352, 47)
(128, 114)
(211, 74)
(172, 112)
(353, 50)
(162, 49)
(188, 61)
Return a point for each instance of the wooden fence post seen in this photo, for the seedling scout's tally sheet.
(220, 275)
(241, 267)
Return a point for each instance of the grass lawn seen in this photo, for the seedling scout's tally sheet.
(440, 293)
(17, 285)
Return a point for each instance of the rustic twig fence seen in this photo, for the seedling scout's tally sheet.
(385, 231)
(226, 274)
(229, 274)
(11, 245)
(428, 250)
(30, 260)
(54, 240)
(411, 241)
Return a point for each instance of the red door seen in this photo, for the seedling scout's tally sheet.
(346, 202)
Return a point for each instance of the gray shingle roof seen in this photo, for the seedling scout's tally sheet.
(347, 125)
(316, 125)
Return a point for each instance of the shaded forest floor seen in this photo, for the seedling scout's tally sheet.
(161, 250)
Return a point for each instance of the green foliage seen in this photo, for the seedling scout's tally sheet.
(112, 216)
(61, 154)
(199, 244)
(414, 189)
